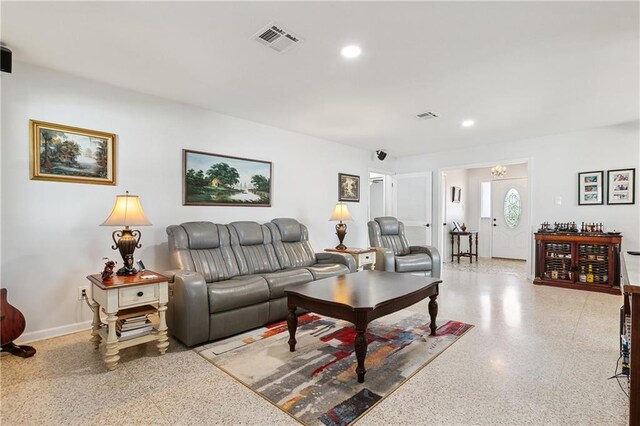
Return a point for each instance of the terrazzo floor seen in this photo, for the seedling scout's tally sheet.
(538, 355)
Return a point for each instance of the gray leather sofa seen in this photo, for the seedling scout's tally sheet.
(231, 278)
(393, 252)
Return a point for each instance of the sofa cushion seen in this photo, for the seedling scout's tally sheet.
(253, 248)
(248, 233)
(291, 243)
(279, 280)
(203, 247)
(237, 292)
(203, 235)
(413, 262)
(290, 229)
(327, 270)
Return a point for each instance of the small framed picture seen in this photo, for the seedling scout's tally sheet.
(622, 186)
(348, 187)
(590, 188)
(455, 227)
(456, 192)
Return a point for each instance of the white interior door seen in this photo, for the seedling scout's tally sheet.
(510, 221)
(412, 206)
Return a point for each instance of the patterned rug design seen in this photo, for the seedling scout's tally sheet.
(317, 383)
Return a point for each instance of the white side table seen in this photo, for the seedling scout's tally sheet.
(119, 294)
(363, 257)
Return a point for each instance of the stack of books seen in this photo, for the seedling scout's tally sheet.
(133, 327)
(134, 322)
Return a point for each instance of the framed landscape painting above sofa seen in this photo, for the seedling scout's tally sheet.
(221, 180)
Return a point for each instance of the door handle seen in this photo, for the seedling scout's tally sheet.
(494, 219)
(495, 224)
(427, 225)
(444, 224)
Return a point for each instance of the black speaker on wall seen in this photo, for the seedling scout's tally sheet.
(5, 59)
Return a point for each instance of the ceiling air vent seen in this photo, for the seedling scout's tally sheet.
(426, 116)
(277, 37)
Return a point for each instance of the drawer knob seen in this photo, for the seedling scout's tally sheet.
(140, 294)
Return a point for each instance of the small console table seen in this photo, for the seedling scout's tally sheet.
(455, 235)
(145, 292)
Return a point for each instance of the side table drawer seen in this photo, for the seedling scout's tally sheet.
(130, 296)
(366, 258)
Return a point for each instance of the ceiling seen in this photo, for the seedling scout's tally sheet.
(519, 70)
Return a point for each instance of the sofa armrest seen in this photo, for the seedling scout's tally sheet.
(435, 258)
(341, 258)
(188, 311)
(385, 259)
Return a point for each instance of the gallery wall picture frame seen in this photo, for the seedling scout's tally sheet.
(456, 193)
(348, 187)
(63, 153)
(621, 186)
(210, 179)
(591, 188)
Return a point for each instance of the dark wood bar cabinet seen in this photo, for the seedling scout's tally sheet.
(561, 259)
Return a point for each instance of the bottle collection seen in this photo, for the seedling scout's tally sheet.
(592, 265)
(593, 261)
(588, 228)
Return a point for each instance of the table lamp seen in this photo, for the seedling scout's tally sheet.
(126, 212)
(340, 213)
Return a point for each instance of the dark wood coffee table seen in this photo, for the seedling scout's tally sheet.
(360, 298)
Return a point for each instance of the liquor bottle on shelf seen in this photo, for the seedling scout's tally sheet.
(590, 274)
(582, 277)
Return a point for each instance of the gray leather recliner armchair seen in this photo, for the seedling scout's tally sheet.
(393, 252)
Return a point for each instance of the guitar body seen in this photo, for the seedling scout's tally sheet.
(12, 325)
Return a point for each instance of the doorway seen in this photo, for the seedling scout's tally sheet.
(380, 194)
(481, 201)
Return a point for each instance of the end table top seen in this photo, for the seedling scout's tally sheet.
(362, 290)
(351, 250)
(116, 281)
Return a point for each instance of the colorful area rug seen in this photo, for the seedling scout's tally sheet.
(317, 383)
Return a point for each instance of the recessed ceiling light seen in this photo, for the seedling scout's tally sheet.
(468, 123)
(351, 51)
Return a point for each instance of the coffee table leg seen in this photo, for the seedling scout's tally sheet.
(433, 313)
(292, 324)
(361, 352)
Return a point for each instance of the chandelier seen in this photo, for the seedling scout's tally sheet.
(498, 171)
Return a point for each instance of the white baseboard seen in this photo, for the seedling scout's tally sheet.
(48, 333)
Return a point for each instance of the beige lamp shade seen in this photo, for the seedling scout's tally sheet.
(340, 212)
(127, 211)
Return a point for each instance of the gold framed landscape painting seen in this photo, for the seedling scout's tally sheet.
(71, 154)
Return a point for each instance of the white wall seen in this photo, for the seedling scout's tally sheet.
(475, 177)
(555, 162)
(50, 234)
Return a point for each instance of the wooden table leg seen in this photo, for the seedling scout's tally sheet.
(458, 248)
(452, 237)
(477, 234)
(360, 345)
(433, 313)
(95, 325)
(111, 356)
(163, 340)
(470, 249)
(292, 324)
